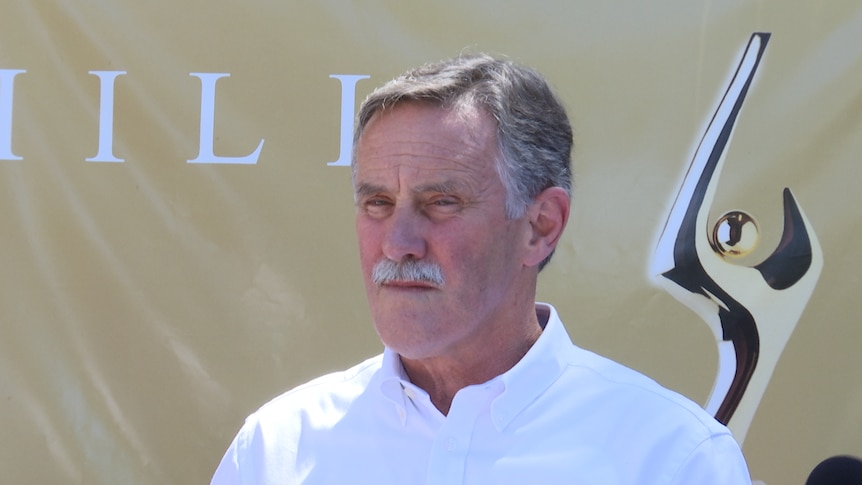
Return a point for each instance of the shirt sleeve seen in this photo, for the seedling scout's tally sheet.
(717, 460)
(227, 472)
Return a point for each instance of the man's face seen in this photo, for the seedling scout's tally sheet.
(427, 191)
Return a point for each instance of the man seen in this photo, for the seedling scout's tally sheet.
(462, 183)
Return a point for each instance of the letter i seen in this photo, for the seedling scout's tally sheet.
(106, 116)
(7, 90)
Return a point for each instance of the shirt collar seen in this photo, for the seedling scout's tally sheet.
(535, 372)
(393, 379)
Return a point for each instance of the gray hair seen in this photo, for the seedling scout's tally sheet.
(533, 131)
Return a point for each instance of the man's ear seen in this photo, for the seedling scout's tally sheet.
(548, 215)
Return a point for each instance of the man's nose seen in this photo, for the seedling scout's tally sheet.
(405, 235)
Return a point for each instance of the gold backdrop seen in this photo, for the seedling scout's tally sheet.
(148, 304)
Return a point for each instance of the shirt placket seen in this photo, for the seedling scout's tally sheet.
(451, 447)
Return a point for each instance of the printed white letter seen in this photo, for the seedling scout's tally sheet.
(205, 153)
(348, 110)
(7, 85)
(106, 117)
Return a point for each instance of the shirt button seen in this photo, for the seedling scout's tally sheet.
(451, 444)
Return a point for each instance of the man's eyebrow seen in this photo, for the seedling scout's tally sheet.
(444, 187)
(367, 189)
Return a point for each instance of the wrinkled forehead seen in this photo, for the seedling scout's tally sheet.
(463, 110)
(426, 138)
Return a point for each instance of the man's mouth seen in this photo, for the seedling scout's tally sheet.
(407, 285)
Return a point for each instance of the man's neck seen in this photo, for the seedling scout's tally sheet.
(442, 377)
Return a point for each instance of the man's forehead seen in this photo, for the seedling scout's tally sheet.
(427, 138)
(423, 165)
(464, 121)
(407, 181)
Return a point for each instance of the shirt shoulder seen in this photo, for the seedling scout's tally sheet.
(631, 415)
(327, 390)
(634, 386)
(273, 443)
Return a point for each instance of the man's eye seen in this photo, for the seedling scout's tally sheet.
(445, 205)
(376, 207)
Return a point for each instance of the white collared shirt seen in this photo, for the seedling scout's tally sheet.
(561, 415)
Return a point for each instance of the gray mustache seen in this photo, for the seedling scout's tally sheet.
(408, 270)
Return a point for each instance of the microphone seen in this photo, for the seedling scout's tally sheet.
(837, 470)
